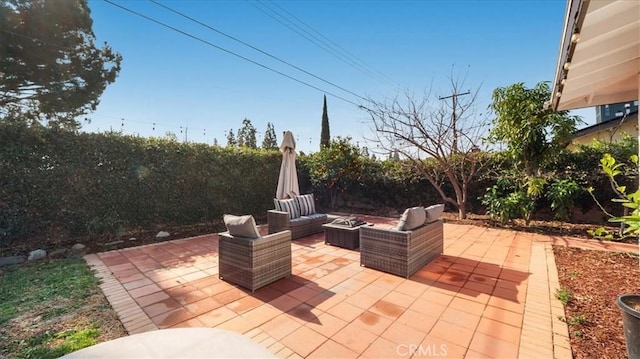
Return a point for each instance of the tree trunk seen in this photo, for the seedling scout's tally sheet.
(462, 212)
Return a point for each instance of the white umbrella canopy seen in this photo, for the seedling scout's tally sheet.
(288, 180)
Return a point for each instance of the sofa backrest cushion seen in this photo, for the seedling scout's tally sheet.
(289, 205)
(306, 203)
(241, 226)
(412, 218)
(434, 213)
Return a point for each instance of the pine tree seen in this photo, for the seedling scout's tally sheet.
(247, 134)
(325, 138)
(231, 139)
(270, 142)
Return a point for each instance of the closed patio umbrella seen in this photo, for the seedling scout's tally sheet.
(288, 180)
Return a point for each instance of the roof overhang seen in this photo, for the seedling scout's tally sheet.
(599, 59)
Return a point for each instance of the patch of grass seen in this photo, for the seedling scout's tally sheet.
(36, 296)
(564, 295)
(22, 288)
(54, 345)
(579, 319)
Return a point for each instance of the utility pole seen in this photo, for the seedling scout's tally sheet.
(454, 98)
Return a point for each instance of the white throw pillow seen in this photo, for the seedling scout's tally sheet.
(434, 212)
(306, 204)
(288, 205)
(241, 226)
(412, 218)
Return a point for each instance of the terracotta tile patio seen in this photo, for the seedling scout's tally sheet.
(491, 294)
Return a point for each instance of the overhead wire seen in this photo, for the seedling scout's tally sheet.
(230, 52)
(334, 45)
(256, 49)
(313, 38)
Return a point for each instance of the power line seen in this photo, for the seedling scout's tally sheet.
(315, 42)
(229, 51)
(257, 49)
(335, 45)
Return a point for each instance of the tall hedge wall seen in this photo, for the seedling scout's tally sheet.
(62, 183)
(79, 184)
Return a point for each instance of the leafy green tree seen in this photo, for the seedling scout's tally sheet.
(325, 138)
(51, 72)
(247, 134)
(335, 168)
(270, 141)
(231, 139)
(533, 135)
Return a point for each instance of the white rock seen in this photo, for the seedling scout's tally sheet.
(78, 248)
(37, 254)
(162, 234)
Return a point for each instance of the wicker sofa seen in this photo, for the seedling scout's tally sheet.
(400, 252)
(301, 220)
(254, 263)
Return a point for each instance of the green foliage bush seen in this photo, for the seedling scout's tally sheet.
(63, 183)
(91, 184)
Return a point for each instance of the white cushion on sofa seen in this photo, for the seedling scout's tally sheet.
(306, 204)
(288, 205)
(433, 213)
(412, 218)
(241, 226)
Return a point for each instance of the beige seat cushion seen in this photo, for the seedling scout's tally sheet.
(412, 218)
(241, 226)
(434, 212)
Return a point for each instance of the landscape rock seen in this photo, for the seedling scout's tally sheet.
(37, 254)
(114, 243)
(78, 248)
(5, 261)
(162, 234)
(133, 239)
(58, 253)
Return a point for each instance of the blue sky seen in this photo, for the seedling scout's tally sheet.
(172, 82)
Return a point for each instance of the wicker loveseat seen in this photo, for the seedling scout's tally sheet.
(253, 261)
(298, 215)
(401, 252)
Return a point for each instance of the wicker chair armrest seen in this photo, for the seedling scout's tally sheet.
(278, 221)
(268, 238)
(383, 233)
(275, 237)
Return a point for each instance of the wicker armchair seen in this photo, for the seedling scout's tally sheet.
(400, 252)
(254, 263)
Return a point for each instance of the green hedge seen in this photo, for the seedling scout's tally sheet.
(68, 184)
(87, 184)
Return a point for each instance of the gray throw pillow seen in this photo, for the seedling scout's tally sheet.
(412, 218)
(434, 212)
(241, 226)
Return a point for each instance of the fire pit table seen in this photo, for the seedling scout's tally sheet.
(344, 232)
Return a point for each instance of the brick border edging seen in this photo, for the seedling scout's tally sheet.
(551, 338)
(134, 319)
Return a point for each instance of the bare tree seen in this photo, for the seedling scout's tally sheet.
(427, 130)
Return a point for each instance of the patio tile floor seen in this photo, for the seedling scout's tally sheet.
(491, 294)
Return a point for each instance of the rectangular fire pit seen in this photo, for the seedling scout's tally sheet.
(342, 235)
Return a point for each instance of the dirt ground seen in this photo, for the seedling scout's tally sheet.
(595, 279)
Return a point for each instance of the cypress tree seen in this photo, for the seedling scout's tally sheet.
(270, 142)
(324, 134)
